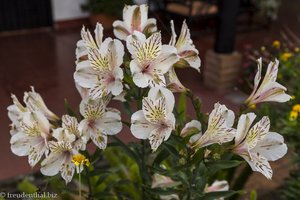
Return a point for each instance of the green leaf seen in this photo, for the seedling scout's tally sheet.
(216, 195)
(161, 156)
(215, 166)
(129, 152)
(69, 109)
(26, 186)
(182, 106)
(171, 150)
(253, 195)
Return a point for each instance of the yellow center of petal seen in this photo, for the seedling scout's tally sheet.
(80, 160)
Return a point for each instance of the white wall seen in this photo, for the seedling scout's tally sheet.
(67, 9)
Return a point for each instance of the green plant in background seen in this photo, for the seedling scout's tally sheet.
(177, 156)
(269, 8)
(111, 7)
(286, 116)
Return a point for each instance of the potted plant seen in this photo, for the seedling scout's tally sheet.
(104, 11)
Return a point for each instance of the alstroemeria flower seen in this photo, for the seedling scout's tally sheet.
(100, 73)
(60, 158)
(257, 145)
(268, 89)
(99, 122)
(156, 120)
(34, 102)
(15, 114)
(87, 42)
(188, 54)
(135, 19)
(151, 59)
(191, 128)
(186, 50)
(217, 186)
(219, 128)
(31, 138)
(71, 125)
(161, 181)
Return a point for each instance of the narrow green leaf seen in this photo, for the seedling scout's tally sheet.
(182, 106)
(26, 186)
(216, 195)
(253, 195)
(69, 109)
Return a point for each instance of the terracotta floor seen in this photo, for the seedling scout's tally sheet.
(46, 60)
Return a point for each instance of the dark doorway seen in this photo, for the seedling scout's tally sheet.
(25, 14)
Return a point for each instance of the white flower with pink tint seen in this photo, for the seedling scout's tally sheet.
(217, 186)
(151, 60)
(100, 74)
(267, 89)
(135, 18)
(32, 137)
(156, 120)
(257, 145)
(99, 122)
(219, 128)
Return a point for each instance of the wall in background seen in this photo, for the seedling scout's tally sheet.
(70, 9)
(67, 10)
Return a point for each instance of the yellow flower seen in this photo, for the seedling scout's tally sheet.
(285, 56)
(253, 106)
(80, 160)
(296, 108)
(293, 115)
(297, 49)
(293, 97)
(276, 44)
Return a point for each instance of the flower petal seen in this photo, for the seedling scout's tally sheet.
(36, 151)
(140, 127)
(120, 30)
(243, 126)
(155, 111)
(191, 128)
(157, 136)
(272, 147)
(98, 34)
(84, 75)
(50, 166)
(20, 144)
(92, 109)
(259, 164)
(141, 79)
(98, 138)
(110, 123)
(258, 132)
(67, 168)
(158, 92)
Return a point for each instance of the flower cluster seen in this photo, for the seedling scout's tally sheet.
(103, 74)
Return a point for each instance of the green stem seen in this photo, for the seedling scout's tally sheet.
(79, 177)
(143, 170)
(91, 195)
(240, 182)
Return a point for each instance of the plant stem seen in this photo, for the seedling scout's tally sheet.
(240, 182)
(143, 169)
(91, 195)
(79, 177)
